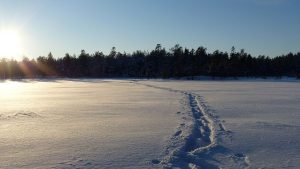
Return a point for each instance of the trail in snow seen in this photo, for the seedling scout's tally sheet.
(197, 138)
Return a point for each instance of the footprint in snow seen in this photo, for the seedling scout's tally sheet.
(155, 161)
(177, 133)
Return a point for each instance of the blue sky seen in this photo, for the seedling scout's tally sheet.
(269, 27)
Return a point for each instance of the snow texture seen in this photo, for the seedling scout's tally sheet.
(109, 123)
(259, 121)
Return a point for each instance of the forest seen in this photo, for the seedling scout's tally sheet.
(159, 63)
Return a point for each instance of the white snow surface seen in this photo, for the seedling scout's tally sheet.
(110, 123)
(259, 121)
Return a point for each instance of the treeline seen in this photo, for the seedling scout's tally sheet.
(158, 63)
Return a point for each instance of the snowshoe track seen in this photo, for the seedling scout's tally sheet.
(200, 137)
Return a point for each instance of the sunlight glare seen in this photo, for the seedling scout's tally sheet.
(10, 44)
(9, 89)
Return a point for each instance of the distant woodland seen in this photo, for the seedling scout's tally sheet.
(158, 63)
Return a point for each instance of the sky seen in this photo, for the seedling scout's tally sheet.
(261, 27)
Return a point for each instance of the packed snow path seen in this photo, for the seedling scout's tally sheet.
(196, 139)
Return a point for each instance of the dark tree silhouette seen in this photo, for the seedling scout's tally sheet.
(158, 63)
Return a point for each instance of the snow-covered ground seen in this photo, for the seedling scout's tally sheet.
(84, 124)
(259, 119)
(90, 123)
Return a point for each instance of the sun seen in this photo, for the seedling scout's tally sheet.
(10, 44)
